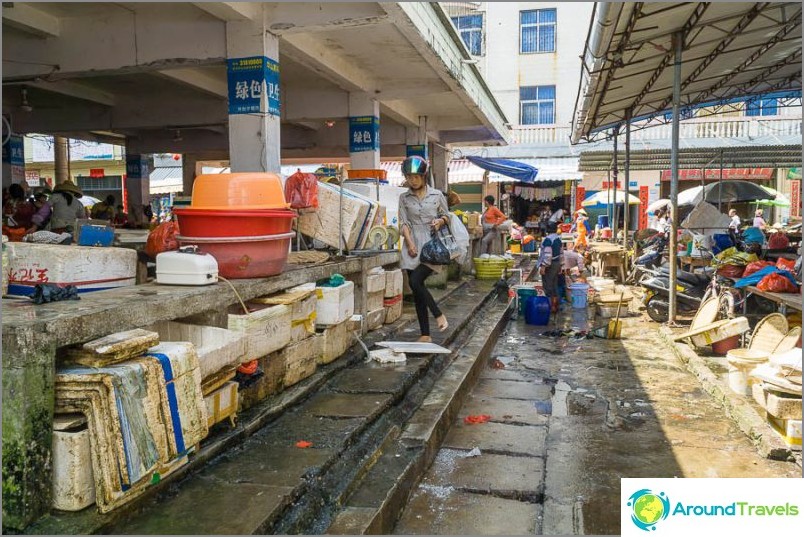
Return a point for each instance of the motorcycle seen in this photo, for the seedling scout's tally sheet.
(692, 289)
(650, 257)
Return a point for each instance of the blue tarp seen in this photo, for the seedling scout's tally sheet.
(524, 173)
(756, 277)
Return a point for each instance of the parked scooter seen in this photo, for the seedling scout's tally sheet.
(652, 252)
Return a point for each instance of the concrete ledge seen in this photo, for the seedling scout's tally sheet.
(744, 414)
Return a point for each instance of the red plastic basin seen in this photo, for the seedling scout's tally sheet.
(233, 223)
(245, 257)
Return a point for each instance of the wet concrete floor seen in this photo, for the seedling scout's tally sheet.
(569, 418)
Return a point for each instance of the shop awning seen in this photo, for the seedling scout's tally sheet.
(731, 52)
(550, 169)
(518, 171)
(459, 171)
(785, 156)
(166, 180)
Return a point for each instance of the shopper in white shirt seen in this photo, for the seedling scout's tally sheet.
(735, 220)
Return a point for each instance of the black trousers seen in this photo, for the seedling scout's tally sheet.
(422, 298)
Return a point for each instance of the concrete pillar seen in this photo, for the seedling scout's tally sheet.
(416, 143)
(254, 108)
(364, 132)
(188, 163)
(439, 162)
(61, 158)
(138, 185)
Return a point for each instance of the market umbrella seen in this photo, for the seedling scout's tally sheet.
(88, 201)
(778, 199)
(656, 205)
(724, 192)
(602, 199)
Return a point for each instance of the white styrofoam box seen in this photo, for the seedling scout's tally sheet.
(186, 268)
(388, 194)
(222, 403)
(301, 360)
(375, 300)
(359, 214)
(375, 282)
(87, 267)
(267, 329)
(789, 430)
(73, 479)
(335, 304)
(393, 309)
(374, 319)
(393, 283)
(336, 340)
(216, 347)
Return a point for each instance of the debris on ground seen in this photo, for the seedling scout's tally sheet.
(303, 444)
(474, 453)
(474, 420)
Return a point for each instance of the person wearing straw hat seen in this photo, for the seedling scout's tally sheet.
(581, 219)
(66, 207)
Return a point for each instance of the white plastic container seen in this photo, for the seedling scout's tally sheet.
(73, 480)
(86, 267)
(721, 330)
(186, 267)
(335, 304)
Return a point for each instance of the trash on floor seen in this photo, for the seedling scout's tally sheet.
(474, 420)
(303, 444)
(388, 356)
(414, 347)
(474, 453)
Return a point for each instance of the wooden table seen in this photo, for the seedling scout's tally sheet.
(784, 300)
(692, 262)
(607, 256)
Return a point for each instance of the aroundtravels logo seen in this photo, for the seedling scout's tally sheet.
(648, 508)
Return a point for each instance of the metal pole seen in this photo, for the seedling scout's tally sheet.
(627, 186)
(720, 182)
(615, 173)
(678, 42)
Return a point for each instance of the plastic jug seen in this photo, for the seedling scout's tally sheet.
(537, 310)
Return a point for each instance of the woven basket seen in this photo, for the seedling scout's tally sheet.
(769, 333)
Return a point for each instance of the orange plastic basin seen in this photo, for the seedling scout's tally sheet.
(238, 191)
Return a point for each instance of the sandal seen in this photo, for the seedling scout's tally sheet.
(442, 326)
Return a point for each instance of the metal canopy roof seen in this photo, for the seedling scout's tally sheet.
(786, 156)
(732, 51)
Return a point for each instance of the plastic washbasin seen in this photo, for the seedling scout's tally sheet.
(238, 191)
(194, 222)
(245, 257)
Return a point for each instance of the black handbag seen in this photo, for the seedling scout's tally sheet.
(434, 252)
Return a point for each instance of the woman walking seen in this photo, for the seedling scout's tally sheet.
(422, 209)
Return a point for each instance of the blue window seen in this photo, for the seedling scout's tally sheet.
(537, 105)
(537, 31)
(762, 107)
(471, 30)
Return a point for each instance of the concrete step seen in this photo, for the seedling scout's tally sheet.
(351, 418)
(378, 501)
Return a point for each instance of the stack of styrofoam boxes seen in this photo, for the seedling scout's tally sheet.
(267, 330)
(334, 309)
(783, 413)
(392, 300)
(375, 294)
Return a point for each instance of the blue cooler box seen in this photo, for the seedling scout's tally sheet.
(95, 235)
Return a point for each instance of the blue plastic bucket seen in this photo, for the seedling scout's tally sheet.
(523, 293)
(603, 220)
(579, 293)
(537, 310)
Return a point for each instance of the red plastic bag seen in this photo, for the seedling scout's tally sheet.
(777, 283)
(301, 191)
(162, 239)
(756, 266)
(778, 241)
(785, 264)
(735, 272)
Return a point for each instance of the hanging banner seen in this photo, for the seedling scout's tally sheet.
(644, 201)
(757, 174)
(136, 167)
(14, 154)
(97, 172)
(419, 150)
(364, 134)
(249, 79)
(794, 173)
(580, 195)
(795, 197)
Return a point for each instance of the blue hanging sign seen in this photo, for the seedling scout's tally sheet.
(14, 151)
(419, 150)
(136, 167)
(364, 134)
(248, 80)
